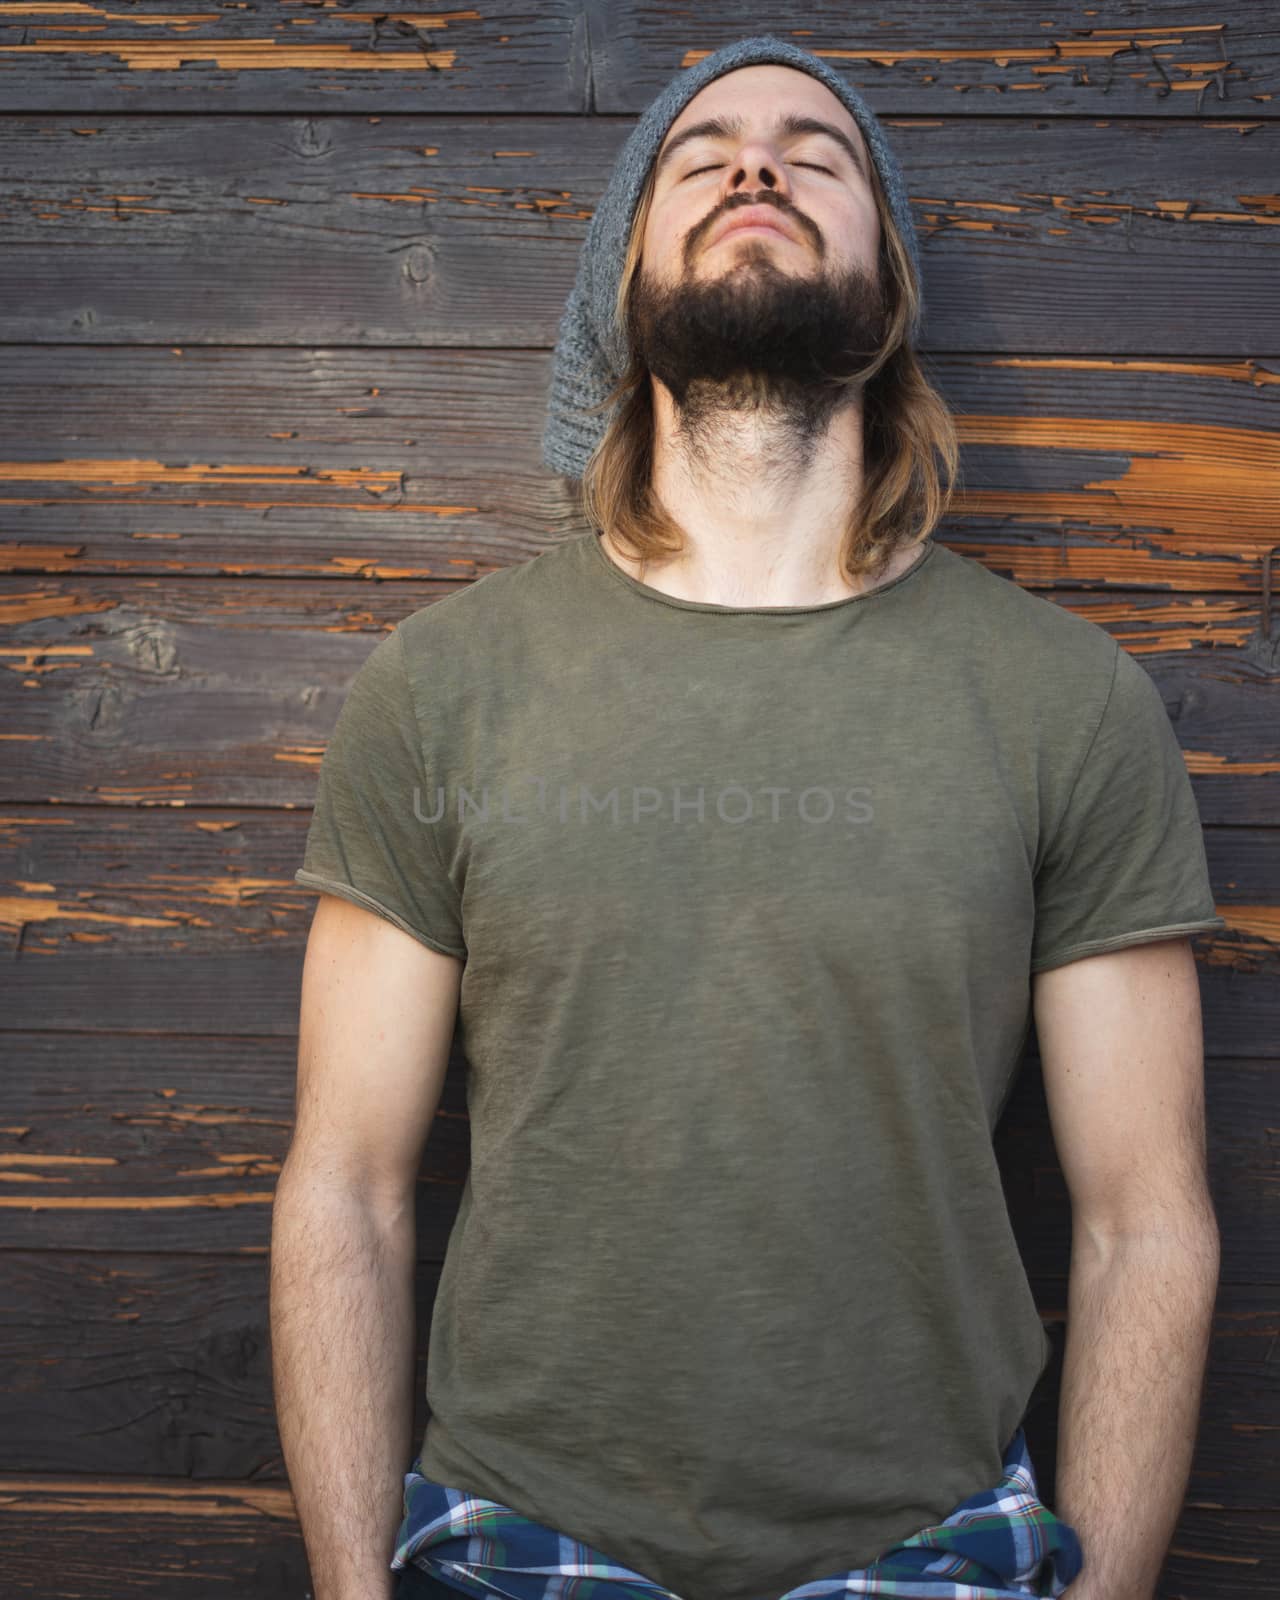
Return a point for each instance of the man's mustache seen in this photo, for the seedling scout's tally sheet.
(766, 197)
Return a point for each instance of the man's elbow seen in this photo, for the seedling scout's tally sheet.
(1185, 1224)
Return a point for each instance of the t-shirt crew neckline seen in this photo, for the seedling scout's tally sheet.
(650, 593)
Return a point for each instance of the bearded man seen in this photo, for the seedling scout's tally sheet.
(747, 833)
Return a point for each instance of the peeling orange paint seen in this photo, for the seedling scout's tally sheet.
(1180, 479)
(31, 658)
(1100, 44)
(141, 796)
(31, 1159)
(139, 1202)
(373, 194)
(1180, 626)
(246, 1167)
(251, 503)
(228, 891)
(61, 1497)
(42, 603)
(16, 912)
(415, 19)
(48, 557)
(1245, 370)
(1207, 765)
(90, 471)
(1048, 563)
(200, 1117)
(357, 567)
(1262, 922)
(244, 55)
(989, 205)
(1095, 212)
(560, 214)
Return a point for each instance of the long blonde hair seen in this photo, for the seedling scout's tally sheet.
(906, 428)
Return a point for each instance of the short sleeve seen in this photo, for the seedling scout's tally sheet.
(370, 839)
(1125, 862)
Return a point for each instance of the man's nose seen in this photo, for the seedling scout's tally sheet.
(757, 167)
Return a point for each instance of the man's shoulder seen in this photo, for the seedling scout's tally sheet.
(499, 600)
(1022, 630)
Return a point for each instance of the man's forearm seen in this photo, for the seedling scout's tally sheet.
(1139, 1317)
(342, 1330)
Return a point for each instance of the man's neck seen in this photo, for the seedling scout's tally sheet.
(762, 529)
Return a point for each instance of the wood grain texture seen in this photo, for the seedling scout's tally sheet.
(165, 691)
(194, 461)
(281, 57)
(278, 289)
(1100, 237)
(162, 1144)
(1007, 59)
(142, 1537)
(186, 921)
(613, 58)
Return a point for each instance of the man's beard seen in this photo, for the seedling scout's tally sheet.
(758, 338)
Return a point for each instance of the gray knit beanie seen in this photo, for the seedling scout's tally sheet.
(591, 350)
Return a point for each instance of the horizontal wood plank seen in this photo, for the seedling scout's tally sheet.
(163, 692)
(192, 1328)
(1050, 236)
(140, 1538)
(188, 922)
(1075, 472)
(923, 58)
(285, 58)
(996, 61)
(164, 1378)
(124, 1536)
(148, 1142)
(151, 1142)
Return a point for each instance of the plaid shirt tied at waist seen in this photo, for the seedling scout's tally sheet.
(1001, 1542)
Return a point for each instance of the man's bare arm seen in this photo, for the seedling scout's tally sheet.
(1121, 1047)
(376, 1022)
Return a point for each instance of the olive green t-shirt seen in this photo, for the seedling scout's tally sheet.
(749, 900)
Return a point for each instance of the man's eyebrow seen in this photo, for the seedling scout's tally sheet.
(789, 125)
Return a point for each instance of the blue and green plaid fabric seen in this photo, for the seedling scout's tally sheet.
(1001, 1542)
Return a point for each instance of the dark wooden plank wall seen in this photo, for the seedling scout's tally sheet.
(278, 285)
